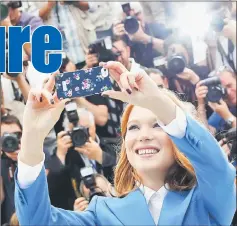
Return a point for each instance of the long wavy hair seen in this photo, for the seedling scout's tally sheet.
(181, 175)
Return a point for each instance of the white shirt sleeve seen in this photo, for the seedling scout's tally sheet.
(27, 175)
(176, 128)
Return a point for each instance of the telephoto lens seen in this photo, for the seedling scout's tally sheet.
(10, 142)
(131, 25)
(79, 135)
(176, 63)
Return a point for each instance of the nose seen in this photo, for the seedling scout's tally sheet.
(145, 135)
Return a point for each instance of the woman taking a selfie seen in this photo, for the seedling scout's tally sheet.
(171, 170)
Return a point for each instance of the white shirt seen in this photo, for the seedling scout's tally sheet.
(135, 67)
(177, 128)
(154, 200)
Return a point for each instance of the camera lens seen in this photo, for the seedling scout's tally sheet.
(79, 137)
(9, 143)
(176, 64)
(131, 25)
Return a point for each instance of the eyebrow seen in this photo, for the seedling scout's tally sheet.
(153, 120)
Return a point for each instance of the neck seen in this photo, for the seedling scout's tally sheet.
(153, 180)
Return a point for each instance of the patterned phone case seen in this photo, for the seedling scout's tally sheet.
(83, 83)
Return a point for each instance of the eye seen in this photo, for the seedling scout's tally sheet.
(156, 125)
(132, 127)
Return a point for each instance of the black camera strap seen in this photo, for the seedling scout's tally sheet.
(225, 55)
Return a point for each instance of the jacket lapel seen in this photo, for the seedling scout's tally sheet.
(174, 207)
(132, 209)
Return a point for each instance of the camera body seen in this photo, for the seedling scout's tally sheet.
(10, 142)
(176, 63)
(131, 24)
(103, 49)
(215, 90)
(79, 134)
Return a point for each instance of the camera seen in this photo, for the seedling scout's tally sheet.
(10, 142)
(215, 90)
(79, 134)
(88, 178)
(230, 138)
(103, 48)
(131, 24)
(176, 63)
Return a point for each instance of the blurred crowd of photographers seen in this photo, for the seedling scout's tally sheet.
(194, 56)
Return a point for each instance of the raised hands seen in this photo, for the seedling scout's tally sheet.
(42, 109)
(136, 88)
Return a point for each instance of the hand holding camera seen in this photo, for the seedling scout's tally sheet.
(80, 204)
(91, 150)
(91, 60)
(64, 142)
(119, 30)
(201, 92)
(189, 75)
(139, 35)
(221, 108)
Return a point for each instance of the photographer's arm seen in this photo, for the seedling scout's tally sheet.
(157, 44)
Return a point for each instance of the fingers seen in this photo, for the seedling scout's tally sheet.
(79, 200)
(115, 95)
(40, 95)
(81, 205)
(51, 82)
(61, 134)
(116, 66)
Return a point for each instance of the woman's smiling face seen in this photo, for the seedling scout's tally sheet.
(148, 147)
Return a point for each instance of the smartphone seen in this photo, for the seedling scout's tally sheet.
(82, 83)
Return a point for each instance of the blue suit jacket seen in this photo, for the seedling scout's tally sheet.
(211, 202)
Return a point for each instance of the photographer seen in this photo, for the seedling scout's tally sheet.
(224, 115)
(102, 187)
(64, 166)
(222, 41)
(146, 38)
(182, 72)
(11, 131)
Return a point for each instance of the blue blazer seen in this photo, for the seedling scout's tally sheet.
(211, 202)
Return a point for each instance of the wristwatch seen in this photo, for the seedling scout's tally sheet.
(230, 121)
